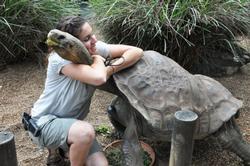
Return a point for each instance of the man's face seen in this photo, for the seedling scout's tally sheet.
(88, 39)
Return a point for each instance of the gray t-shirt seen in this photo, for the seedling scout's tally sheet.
(62, 96)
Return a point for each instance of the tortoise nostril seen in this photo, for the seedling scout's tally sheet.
(61, 37)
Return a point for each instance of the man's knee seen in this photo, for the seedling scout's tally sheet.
(81, 132)
(97, 159)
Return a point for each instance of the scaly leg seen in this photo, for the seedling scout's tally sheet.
(230, 137)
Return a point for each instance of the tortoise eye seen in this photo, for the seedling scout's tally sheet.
(61, 37)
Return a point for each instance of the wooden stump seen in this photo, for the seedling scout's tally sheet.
(182, 138)
(7, 149)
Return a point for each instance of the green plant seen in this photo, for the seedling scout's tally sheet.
(194, 33)
(115, 156)
(102, 129)
(25, 23)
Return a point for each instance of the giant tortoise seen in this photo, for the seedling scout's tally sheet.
(151, 91)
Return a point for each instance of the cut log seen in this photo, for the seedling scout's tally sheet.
(7, 149)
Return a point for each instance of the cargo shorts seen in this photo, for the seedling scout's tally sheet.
(54, 135)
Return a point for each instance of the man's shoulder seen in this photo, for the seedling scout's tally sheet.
(102, 49)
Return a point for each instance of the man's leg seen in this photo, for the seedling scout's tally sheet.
(71, 135)
(54, 136)
(80, 138)
(97, 159)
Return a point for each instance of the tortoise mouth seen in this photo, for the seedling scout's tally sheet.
(52, 42)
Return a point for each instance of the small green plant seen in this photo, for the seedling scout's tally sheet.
(102, 129)
(115, 156)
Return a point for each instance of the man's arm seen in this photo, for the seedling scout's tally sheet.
(128, 55)
(95, 74)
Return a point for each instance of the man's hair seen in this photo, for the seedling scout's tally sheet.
(71, 24)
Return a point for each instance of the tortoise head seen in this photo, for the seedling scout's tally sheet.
(68, 47)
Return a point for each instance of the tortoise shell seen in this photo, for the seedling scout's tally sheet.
(157, 87)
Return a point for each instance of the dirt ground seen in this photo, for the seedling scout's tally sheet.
(21, 85)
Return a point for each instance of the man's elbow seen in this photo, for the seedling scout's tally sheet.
(99, 80)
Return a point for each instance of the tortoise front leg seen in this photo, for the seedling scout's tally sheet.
(122, 117)
(131, 147)
(230, 137)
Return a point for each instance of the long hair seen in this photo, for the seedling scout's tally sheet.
(71, 24)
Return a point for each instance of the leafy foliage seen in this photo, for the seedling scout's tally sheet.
(189, 31)
(102, 129)
(115, 156)
(25, 23)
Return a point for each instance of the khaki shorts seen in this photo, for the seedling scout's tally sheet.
(54, 135)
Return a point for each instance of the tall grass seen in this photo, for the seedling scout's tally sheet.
(25, 23)
(188, 31)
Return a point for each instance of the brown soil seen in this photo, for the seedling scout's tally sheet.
(21, 85)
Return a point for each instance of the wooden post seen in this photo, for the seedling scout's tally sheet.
(182, 138)
(7, 149)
